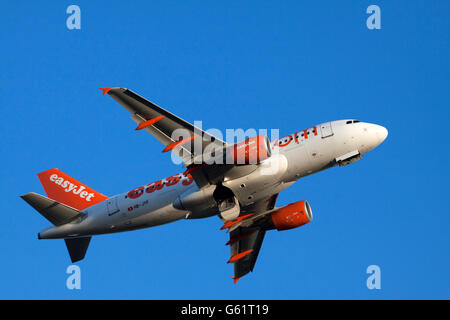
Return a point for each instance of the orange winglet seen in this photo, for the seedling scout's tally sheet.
(148, 123)
(240, 237)
(177, 143)
(231, 223)
(239, 256)
(235, 280)
(105, 90)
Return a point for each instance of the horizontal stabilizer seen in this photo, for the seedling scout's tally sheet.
(77, 248)
(55, 212)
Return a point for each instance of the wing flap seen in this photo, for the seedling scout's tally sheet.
(247, 235)
(249, 247)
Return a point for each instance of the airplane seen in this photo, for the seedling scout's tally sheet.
(241, 190)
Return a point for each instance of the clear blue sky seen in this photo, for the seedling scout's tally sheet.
(232, 64)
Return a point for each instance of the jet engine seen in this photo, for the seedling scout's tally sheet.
(199, 202)
(209, 201)
(291, 216)
(251, 151)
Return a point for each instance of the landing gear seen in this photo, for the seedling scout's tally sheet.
(227, 203)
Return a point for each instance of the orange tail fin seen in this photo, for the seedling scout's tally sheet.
(65, 189)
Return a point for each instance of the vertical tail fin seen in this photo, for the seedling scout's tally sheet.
(77, 248)
(65, 189)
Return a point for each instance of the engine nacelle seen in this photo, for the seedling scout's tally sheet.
(292, 216)
(200, 202)
(251, 151)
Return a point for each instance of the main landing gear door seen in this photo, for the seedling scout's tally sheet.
(326, 130)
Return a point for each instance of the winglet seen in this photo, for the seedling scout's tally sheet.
(105, 90)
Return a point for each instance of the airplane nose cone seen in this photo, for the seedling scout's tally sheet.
(373, 135)
(382, 133)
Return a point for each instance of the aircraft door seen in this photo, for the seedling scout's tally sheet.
(112, 205)
(326, 130)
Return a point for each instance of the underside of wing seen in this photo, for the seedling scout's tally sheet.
(245, 244)
(207, 158)
(246, 236)
(176, 134)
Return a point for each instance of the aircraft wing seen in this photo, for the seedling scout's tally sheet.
(249, 245)
(245, 241)
(165, 126)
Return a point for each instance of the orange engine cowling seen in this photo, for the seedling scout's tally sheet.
(292, 216)
(251, 151)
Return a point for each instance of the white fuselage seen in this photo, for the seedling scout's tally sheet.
(299, 154)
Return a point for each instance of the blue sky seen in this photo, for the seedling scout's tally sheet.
(233, 64)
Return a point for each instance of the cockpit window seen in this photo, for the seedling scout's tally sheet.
(352, 121)
(349, 121)
(356, 121)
